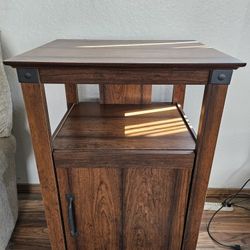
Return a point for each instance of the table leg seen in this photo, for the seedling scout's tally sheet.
(211, 113)
(36, 107)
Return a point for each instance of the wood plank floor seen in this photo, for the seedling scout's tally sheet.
(31, 231)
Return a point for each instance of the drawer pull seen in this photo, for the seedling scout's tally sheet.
(71, 215)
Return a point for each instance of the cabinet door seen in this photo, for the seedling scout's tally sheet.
(154, 208)
(134, 208)
(96, 205)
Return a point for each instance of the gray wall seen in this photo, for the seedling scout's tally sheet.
(225, 25)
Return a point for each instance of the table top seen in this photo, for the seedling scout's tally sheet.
(170, 53)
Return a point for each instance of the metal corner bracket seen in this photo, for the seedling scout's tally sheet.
(28, 75)
(221, 76)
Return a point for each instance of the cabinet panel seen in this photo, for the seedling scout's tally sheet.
(97, 205)
(132, 208)
(125, 94)
(154, 208)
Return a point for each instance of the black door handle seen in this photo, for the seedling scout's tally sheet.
(71, 214)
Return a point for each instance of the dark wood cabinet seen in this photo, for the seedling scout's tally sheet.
(128, 169)
(123, 172)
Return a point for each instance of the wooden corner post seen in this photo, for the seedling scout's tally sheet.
(179, 94)
(36, 107)
(71, 92)
(211, 113)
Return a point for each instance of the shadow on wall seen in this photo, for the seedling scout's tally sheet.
(24, 153)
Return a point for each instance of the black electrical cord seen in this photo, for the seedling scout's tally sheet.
(235, 247)
(228, 203)
(208, 229)
(235, 195)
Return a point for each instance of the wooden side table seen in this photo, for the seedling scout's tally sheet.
(130, 176)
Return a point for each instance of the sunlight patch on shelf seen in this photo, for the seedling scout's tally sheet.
(153, 128)
(157, 132)
(145, 124)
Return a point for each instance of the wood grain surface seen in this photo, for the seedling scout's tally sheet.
(125, 94)
(211, 113)
(95, 126)
(97, 202)
(126, 209)
(179, 94)
(123, 158)
(35, 103)
(172, 53)
(71, 92)
(123, 75)
(154, 208)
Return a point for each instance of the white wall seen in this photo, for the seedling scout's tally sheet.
(225, 25)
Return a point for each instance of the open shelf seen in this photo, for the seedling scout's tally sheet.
(97, 126)
(97, 135)
(94, 135)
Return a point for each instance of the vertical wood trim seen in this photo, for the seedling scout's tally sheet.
(179, 94)
(146, 94)
(36, 107)
(71, 94)
(211, 113)
(101, 93)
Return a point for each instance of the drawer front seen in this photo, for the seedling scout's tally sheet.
(132, 208)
